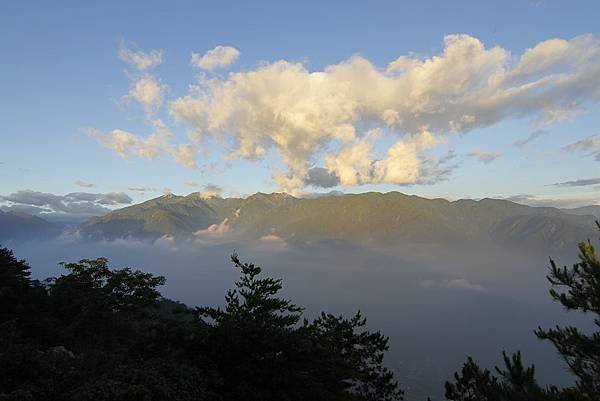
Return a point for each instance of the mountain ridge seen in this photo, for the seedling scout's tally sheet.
(371, 217)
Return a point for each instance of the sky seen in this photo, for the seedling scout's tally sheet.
(109, 103)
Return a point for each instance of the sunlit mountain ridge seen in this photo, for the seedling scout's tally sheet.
(377, 218)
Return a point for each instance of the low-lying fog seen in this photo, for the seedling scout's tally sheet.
(438, 305)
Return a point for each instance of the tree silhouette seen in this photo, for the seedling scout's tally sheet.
(95, 333)
(580, 287)
(263, 353)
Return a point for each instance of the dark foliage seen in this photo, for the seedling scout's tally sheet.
(581, 291)
(263, 353)
(100, 334)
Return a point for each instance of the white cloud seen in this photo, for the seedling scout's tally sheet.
(300, 113)
(209, 190)
(159, 142)
(185, 154)
(142, 61)
(219, 57)
(148, 91)
(126, 144)
(212, 190)
(483, 156)
(328, 120)
(356, 164)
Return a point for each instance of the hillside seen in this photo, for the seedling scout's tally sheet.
(166, 215)
(368, 218)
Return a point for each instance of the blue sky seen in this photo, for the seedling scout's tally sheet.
(62, 78)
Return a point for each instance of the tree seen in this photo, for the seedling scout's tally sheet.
(263, 353)
(580, 286)
(96, 333)
(93, 334)
(15, 284)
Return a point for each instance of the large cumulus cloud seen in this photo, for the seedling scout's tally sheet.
(327, 119)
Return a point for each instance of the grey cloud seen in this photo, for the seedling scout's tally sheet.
(35, 198)
(534, 135)
(579, 183)
(115, 198)
(322, 194)
(29, 209)
(142, 189)
(438, 170)
(483, 156)
(110, 198)
(321, 177)
(84, 184)
(76, 203)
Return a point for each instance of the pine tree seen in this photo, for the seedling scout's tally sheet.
(263, 352)
(579, 290)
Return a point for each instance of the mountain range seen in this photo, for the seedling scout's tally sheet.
(378, 218)
(369, 218)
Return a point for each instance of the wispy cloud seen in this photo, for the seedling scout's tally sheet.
(589, 146)
(578, 183)
(530, 138)
(139, 59)
(483, 156)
